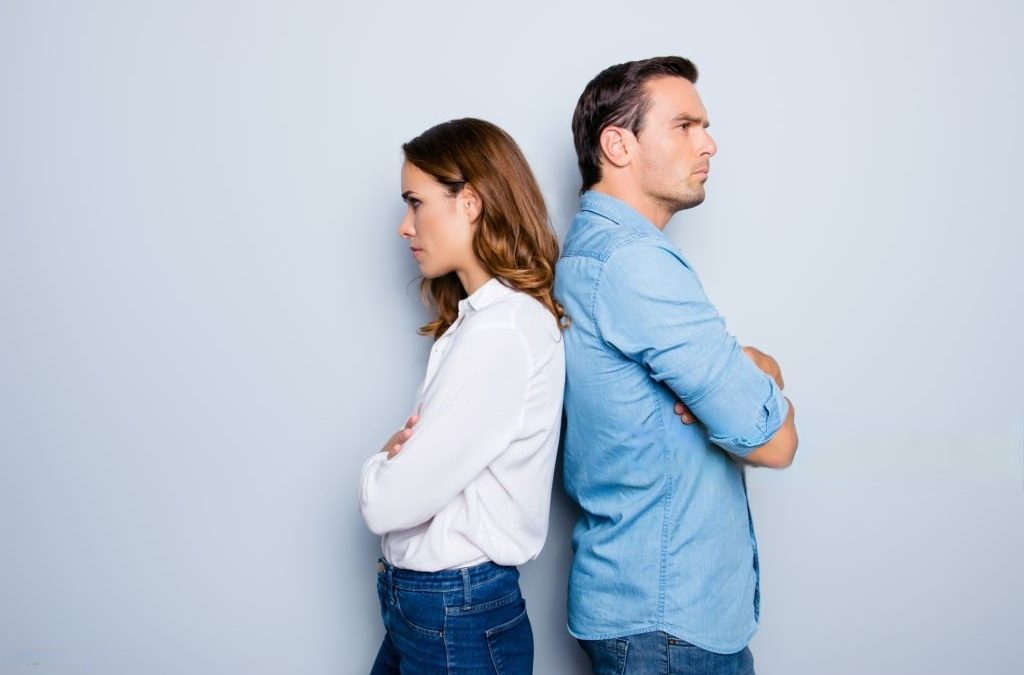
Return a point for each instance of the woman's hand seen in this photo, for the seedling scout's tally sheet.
(394, 444)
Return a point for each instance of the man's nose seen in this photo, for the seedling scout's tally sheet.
(710, 147)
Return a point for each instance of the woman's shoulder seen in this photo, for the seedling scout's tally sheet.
(518, 311)
(534, 320)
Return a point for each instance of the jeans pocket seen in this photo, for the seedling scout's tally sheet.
(421, 612)
(684, 657)
(383, 602)
(607, 657)
(511, 646)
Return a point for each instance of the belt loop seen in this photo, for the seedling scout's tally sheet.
(466, 599)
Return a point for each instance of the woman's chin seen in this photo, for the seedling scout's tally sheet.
(428, 272)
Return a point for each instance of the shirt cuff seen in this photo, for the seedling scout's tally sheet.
(755, 432)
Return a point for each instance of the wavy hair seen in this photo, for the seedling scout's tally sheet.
(513, 239)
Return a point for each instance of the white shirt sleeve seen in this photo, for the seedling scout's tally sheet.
(471, 411)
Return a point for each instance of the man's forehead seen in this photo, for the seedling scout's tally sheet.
(671, 97)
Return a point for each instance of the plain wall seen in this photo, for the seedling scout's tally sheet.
(208, 320)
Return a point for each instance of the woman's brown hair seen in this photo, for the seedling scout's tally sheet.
(513, 238)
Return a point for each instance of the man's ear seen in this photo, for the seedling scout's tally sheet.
(471, 202)
(617, 146)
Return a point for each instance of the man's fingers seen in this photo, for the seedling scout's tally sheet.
(766, 363)
(411, 422)
(685, 416)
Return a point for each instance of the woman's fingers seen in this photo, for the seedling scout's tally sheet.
(402, 435)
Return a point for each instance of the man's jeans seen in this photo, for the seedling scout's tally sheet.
(466, 621)
(661, 654)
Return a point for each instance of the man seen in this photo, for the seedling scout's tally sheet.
(665, 576)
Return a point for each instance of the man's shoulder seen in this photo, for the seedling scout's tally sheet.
(601, 236)
(619, 249)
(596, 235)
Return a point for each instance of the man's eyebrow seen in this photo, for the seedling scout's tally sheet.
(686, 117)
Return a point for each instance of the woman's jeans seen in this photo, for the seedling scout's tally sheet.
(659, 653)
(469, 620)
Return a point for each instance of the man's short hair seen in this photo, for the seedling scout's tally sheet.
(616, 97)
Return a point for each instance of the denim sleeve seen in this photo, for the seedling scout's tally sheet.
(650, 306)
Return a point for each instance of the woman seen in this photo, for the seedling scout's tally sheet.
(461, 493)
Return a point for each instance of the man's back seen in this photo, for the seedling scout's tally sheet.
(665, 542)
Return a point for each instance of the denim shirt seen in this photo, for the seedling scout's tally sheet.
(665, 540)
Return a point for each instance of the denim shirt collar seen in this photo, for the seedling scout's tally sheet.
(618, 211)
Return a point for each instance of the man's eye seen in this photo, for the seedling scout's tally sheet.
(685, 126)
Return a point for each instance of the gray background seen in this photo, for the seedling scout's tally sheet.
(209, 321)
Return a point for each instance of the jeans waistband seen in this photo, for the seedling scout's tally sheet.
(444, 580)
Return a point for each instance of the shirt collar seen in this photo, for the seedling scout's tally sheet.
(617, 211)
(488, 294)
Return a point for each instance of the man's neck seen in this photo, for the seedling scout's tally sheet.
(649, 208)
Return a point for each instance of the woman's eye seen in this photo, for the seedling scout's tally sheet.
(414, 203)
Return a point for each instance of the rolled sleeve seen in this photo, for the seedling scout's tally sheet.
(744, 410)
(650, 306)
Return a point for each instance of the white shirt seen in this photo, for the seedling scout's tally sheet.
(473, 482)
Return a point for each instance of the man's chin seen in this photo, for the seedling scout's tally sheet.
(690, 200)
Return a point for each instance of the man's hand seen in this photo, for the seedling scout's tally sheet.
(778, 452)
(685, 416)
(398, 439)
(766, 364)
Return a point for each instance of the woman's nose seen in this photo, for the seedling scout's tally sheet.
(405, 228)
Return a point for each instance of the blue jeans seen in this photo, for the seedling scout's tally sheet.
(659, 653)
(469, 620)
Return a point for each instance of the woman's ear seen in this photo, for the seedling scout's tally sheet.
(471, 203)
